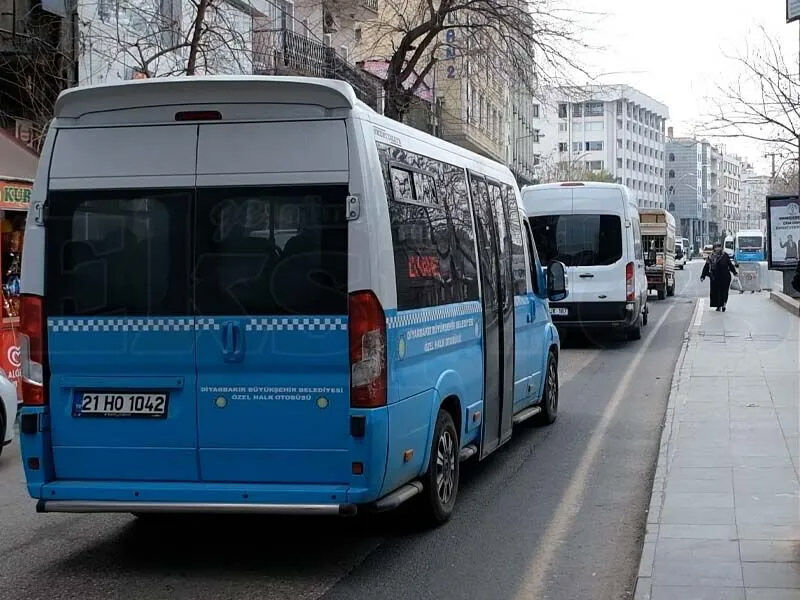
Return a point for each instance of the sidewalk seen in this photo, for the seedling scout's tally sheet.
(724, 518)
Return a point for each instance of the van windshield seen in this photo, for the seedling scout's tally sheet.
(578, 240)
(221, 251)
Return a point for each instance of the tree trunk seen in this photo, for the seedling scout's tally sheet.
(197, 34)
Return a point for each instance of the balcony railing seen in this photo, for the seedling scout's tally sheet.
(371, 4)
(284, 52)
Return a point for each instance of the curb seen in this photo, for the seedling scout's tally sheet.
(680, 379)
(786, 302)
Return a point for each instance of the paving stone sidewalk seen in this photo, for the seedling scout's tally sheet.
(724, 518)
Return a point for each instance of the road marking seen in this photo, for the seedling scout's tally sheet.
(532, 586)
(698, 318)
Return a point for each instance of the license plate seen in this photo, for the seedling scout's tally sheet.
(120, 404)
(559, 311)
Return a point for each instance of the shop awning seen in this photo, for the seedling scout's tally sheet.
(17, 161)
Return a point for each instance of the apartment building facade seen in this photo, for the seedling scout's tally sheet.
(685, 191)
(753, 198)
(730, 184)
(614, 129)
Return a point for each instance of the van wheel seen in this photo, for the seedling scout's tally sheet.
(549, 394)
(441, 480)
(671, 290)
(662, 294)
(635, 332)
(645, 314)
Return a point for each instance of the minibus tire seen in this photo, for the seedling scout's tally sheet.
(549, 403)
(435, 510)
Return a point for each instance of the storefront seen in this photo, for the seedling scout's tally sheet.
(14, 201)
(17, 169)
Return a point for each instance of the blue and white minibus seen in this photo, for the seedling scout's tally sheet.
(255, 294)
(750, 246)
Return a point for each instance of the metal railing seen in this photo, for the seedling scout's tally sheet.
(371, 4)
(284, 52)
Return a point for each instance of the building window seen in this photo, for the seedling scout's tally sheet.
(562, 127)
(619, 107)
(594, 146)
(535, 111)
(537, 159)
(535, 136)
(619, 163)
(671, 174)
(576, 146)
(671, 157)
(562, 110)
(594, 109)
(357, 34)
(671, 190)
(594, 165)
(619, 143)
(577, 110)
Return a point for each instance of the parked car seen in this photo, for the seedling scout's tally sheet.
(707, 250)
(680, 254)
(593, 228)
(8, 410)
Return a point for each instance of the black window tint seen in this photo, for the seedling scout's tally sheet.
(274, 251)
(637, 240)
(504, 239)
(515, 233)
(747, 242)
(535, 265)
(432, 233)
(579, 240)
(487, 240)
(120, 253)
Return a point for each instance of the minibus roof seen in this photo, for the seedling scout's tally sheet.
(326, 93)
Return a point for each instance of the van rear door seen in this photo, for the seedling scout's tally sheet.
(120, 327)
(271, 302)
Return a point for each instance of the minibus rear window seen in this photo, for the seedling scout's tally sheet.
(118, 253)
(578, 240)
(271, 251)
(750, 243)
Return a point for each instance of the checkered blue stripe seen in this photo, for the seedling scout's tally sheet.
(112, 324)
(297, 324)
(435, 313)
(208, 324)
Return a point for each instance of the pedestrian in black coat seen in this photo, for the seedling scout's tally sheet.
(719, 267)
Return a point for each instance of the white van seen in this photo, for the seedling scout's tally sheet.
(593, 228)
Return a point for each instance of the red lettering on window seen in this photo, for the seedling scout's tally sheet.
(423, 266)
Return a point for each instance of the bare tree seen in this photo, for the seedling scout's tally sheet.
(529, 42)
(31, 77)
(155, 38)
(553, 172)
(763, 102)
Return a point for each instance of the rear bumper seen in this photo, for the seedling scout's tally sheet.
(596, 314)
(83, 506)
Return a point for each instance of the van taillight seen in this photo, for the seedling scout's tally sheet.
(630, 282)
(367, 327)
(33, 356)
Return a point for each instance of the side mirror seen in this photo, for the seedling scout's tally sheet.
(557, 288)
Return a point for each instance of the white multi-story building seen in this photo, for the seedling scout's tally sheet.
(730, 188)
(611, 128)
(753, 198)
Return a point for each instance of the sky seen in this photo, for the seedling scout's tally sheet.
(676, 51)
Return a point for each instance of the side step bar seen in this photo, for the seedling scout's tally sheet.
(467, 452)
(397, 497)
(526, 414)
(101, 506)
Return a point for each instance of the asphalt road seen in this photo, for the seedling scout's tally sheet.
(559, 512)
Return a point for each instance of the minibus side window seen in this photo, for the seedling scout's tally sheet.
(432, 235)
(517, 251)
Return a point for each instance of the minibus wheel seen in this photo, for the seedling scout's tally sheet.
(550, 393)
(441, 480)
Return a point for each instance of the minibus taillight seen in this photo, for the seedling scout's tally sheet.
(367, 327)
(32, 350)
(630, 283)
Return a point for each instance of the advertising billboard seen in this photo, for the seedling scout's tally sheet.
(783, 231)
